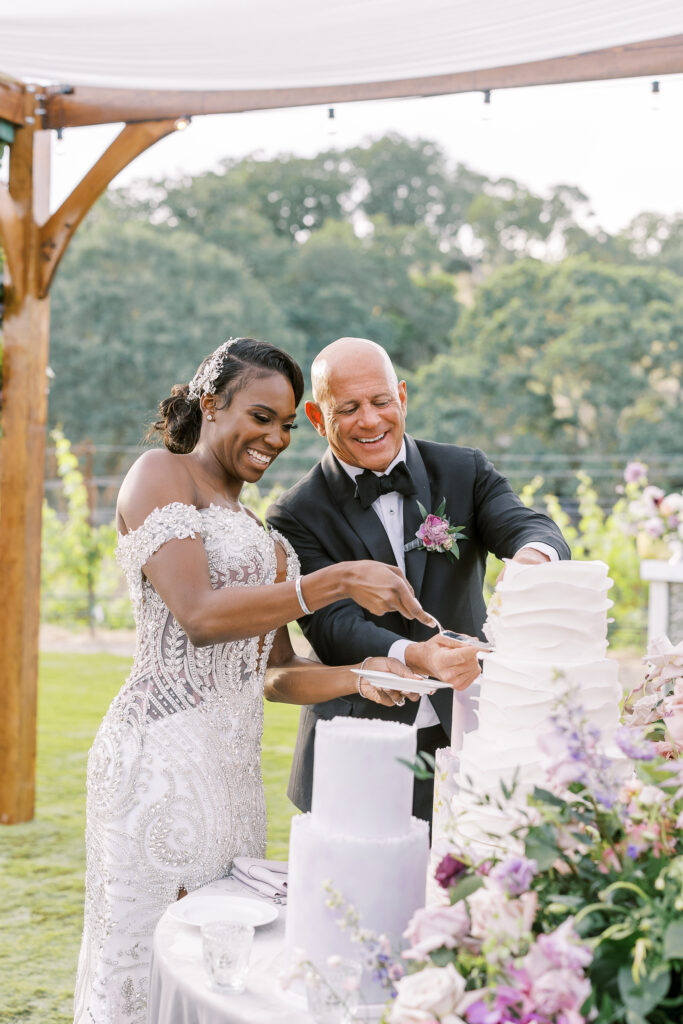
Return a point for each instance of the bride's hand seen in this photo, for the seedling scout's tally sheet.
(383, 588)
(386, 697)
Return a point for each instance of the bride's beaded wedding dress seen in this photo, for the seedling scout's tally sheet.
(174, 773)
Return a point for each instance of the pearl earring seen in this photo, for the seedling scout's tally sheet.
(209, 416)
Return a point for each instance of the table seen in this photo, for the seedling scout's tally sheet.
(664, 614)
(179, 991)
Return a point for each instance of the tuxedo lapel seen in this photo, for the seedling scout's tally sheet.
(365, 522)
(416, 560)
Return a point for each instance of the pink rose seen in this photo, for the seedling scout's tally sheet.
(501, 919)
(560, 989)
(561, 948)
(436, 926)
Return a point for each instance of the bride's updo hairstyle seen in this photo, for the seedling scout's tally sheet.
(233, 366)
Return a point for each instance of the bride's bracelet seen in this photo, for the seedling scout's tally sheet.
(360, 679)
(304, 607)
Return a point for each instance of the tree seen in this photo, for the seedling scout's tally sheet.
(579, 357)
(383, 286)
(656, 239)
(135, 310)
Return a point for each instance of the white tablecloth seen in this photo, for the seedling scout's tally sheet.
(179, 990)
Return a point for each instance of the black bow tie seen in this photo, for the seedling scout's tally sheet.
(369, 486)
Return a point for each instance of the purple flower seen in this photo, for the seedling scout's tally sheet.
(434, 531)
(635, 471)
(514, 875)
(633, 742)
(449, 870)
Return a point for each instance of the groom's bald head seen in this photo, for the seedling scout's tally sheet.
(359, 405)
(343, 355)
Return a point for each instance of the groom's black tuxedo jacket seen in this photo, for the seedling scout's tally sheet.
(326, 524)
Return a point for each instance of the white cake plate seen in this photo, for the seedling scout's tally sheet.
(390, 681)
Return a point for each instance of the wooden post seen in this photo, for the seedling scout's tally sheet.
(33, 244)
(22, 454)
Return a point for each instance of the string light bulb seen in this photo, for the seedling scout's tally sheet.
(182, 123)
(656, 96)
(59, 142)
(331, 122)
(486, 113)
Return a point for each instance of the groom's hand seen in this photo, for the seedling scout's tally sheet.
(446, 659)
(526, 556)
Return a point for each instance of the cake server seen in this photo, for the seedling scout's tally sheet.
(463, 638)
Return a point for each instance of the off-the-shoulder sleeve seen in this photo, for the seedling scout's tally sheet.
(172, 522)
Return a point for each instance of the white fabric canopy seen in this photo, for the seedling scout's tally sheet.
(260, 44)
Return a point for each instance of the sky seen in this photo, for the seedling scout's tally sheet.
(615, 140)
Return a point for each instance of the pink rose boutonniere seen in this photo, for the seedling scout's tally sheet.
(436, 533)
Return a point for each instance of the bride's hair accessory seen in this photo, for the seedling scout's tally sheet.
(204, 380)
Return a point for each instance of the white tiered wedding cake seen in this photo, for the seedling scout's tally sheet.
(359, 836)
(548, 627)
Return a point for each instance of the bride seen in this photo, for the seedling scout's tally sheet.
(174, 774)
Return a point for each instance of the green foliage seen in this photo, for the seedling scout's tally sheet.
(366, 241)
(383, 286)
(579, 357)
(80, 582)
(43, 861)
(137, 309)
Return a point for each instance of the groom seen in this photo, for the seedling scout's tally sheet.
(361, 501)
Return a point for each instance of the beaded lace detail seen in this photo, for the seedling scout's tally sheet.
(174, 774)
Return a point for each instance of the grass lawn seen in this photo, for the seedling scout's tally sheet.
(42, 863)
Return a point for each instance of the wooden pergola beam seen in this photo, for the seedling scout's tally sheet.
(90, 105)
(22, 449)
(33, 243)
(12, 237)
(56, 234)
(11, 102)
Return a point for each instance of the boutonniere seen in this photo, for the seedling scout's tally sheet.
(436, 533)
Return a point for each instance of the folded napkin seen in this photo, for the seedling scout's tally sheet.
(265, 877)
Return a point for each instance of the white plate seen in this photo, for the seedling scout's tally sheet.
(200, 908)
(390, 681)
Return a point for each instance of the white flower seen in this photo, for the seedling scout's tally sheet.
(650, 795)
(433, 992)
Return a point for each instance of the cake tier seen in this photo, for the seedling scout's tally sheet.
(520, 696)
(383, 879)
(554, 612)
(360, 788)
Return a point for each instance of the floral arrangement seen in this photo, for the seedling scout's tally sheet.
(578, 917)
(651, 515)
(436, 533)
(658, 703)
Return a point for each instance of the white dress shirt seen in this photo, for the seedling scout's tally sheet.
(389, 509)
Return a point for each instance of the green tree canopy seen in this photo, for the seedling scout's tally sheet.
(137, 308)
(580, 356)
